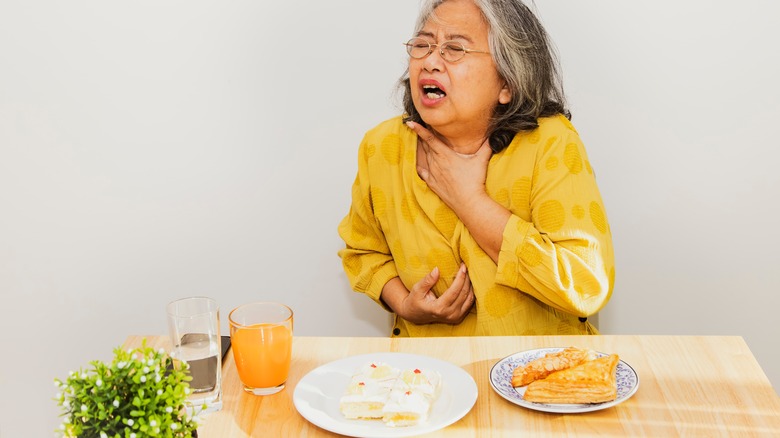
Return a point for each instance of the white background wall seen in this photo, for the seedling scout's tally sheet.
(154, 150)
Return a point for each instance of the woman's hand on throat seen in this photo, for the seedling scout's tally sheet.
(455, 177)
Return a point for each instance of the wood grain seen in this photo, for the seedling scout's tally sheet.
(689, 386)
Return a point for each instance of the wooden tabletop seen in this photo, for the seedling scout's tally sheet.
(689, 386)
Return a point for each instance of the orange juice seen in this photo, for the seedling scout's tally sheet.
(262, 353)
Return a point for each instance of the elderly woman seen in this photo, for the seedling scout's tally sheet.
(477, 212)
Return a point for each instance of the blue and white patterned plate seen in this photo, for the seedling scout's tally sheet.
(501, 381)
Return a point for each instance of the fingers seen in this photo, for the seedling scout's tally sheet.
(422, 306)
(469, 301)
(424, 174)
(424, 285)
(456, 301)
(421, 131)
(429, 140)
(460, 280)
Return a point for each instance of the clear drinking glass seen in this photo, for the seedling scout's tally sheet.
(194, 329)
(261, 339)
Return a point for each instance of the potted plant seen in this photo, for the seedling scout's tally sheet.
(141, 393)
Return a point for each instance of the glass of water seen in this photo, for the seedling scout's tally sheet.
(193, 324)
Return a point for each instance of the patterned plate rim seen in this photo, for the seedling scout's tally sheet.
(500, 381)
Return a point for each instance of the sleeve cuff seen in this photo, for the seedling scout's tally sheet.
(378, 281)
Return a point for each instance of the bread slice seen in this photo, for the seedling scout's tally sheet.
(590, 382)
(550, 363)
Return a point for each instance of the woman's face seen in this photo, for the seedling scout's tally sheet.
(464, 92)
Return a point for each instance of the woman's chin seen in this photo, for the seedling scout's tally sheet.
(432, 120)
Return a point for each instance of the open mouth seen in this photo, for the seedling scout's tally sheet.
(433, 92)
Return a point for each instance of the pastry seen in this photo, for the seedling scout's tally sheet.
(399, 398)
(425, 381)
(406, 408)
(550, 363)
(411, 398)
(590, 382)
(368, 391)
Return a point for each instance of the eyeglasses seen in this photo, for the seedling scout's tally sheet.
(450, 51)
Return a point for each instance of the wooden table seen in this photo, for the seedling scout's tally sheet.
(689, 386)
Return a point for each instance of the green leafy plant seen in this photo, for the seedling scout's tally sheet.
(141, 393)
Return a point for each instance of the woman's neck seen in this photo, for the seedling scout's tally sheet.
(462, 144)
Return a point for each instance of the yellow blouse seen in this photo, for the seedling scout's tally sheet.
(556, 261)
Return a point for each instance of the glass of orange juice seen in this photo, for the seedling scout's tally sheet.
(261, 338)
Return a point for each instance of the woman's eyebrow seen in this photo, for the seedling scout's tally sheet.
(425, 34)
(449, 37)
(457, 36)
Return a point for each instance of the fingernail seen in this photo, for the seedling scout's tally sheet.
(435, 271)
(463, 268)
(410, 124)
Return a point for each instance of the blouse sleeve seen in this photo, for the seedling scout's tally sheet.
(564, 256)
(367, 260)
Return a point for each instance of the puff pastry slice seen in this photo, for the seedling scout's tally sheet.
(591, 382)
(550, 363)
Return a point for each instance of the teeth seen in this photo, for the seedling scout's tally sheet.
(433, 92)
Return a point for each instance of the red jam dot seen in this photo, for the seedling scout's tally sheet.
(416, 371)
(373, 365)
(362, 384)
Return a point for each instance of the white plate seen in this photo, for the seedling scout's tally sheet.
(317, 395)
(501, 381)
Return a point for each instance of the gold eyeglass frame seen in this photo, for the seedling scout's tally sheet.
(409, 46)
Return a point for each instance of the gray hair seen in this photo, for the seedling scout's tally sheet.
(525, 59)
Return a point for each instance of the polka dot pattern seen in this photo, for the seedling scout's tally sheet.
(597, 217)
(535, 174)
(543, 177)
(494, 302)
(378, 201)
(502, 197)
(510, 271)
(409, 209)
(448, 267)
(398, 255)
(549, 144)
(530, 254)
(370, 150)
(391, 149)
(521, 192)
(410, 154)
(572, 158)
(353, 265)
(359, 230)
(578, 211)
(446, 220)
(551, 216)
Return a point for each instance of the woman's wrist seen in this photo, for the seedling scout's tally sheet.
(392, 295)
(485, 219)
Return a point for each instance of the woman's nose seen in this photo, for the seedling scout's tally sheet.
(434, 61)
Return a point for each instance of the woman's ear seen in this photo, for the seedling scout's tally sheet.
(505, 95)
